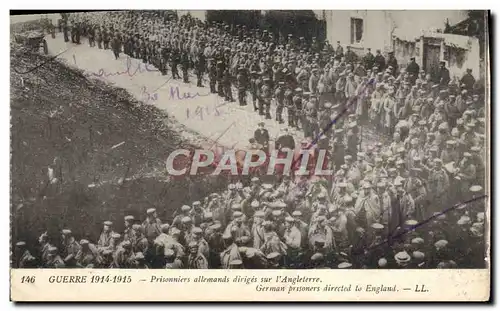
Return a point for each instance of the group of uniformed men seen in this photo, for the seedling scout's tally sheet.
(414, 202)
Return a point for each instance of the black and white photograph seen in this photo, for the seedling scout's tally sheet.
(250, 139)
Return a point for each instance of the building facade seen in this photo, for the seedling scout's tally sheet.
(409, 33)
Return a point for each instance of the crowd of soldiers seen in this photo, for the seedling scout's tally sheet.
(414, 202)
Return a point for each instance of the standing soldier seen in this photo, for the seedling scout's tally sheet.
(78, 31)
(175, 59)
(228, 93)
(128, 232)
(212, 75)
(242, 80)
(165, 54)
(91, 35)
(266, 98)
(98, 38)
(106, 38)
(65, 31)
(290, 107)
(73, 32)
(151, 226)
(279, 94)
(185, 66)
(52, 30)
(116, 45)
(255, 90)
(200, 68)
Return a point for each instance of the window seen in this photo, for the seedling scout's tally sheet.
(356, 30)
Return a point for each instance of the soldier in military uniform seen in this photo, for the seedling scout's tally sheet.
(185, 66)
(106, 38)
(200, 68)
(175, 60)
(98, 37)
(256, 83)
(91, 36)
(242, 81)
(279, 95)
(65, 31)
(116, 45)
(165, 54)
(226, 83)
(266, 99)
(212, 75)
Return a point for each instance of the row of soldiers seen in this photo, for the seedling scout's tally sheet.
(390, 204)
(286, 225)
(299, 79)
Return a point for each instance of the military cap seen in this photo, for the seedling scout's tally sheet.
(244, 239)
(289, 219)
(377, 226)
(126, 244)
(186, 219)
(417, 241)
(476, 232)
(317, 257)
(261, 124)
(259, 214)
(434, 148)
(216, 226)
(107, 252)
(297, 213)
(336, 106)
(440, 244)
(402, 257)
(108, 223)
(347, 198)
(164, 228)
(306, 93)
(193, 244)
(418, 255)
(236, 262)
(169, 253)
(475, 188)
(344, 265)
(480, 216)
(348, 157)
(237, 214)
(52, 249)
(236, 207)
(116, 235)
(66, 232)
(439, 215)
(367, 185)
(382, 262)
(150, 211)
(327, 105)
(21, 243)
(464, 220)
(298, 89)
(197, 230)
(273, 256)
(276, 213)
(136, 227)
(267, 186)
(398, 183)
(129, 218)
(381, 184)
(232, 186)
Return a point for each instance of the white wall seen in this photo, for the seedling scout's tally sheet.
(200, 14)
(378, 25)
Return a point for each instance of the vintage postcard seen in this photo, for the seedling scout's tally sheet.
(313, 155)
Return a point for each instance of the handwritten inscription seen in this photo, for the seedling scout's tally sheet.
(176, 94)
(147, 97)
(130, 70)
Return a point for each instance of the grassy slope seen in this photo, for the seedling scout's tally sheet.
(89, 118)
